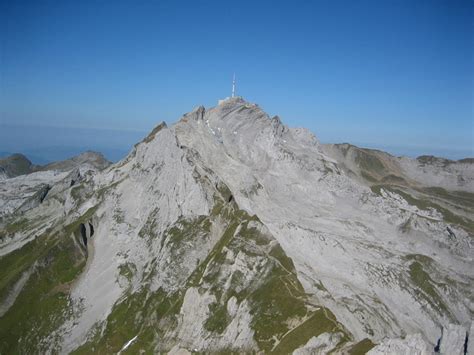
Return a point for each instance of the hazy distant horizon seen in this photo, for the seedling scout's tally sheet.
(48, 143)
(379, 74)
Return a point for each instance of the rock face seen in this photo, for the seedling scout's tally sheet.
(454, 340)
(229, 231)
(413, 344)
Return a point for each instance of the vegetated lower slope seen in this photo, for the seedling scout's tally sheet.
(232, 232)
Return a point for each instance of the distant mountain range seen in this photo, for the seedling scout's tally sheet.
(47, 155)
(17, 164)
(47, 144)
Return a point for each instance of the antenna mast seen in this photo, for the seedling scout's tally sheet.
(233, 86)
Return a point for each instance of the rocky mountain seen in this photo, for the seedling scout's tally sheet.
(14, 165)
(87, 160)
(229, 231)
(25, 185)
(18, 164)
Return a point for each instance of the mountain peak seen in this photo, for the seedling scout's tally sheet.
(14, 165)
(229, 231)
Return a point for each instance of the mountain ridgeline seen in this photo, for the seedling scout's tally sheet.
(231, 232)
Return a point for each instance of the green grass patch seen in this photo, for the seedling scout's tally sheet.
(139, 314)
(278, 253)
(15, 263)
(272, 306)
(17, 226)
(459, 198)
(432, 160)
(422, 280)
(42, 305)
(218, 320)
(362, 347)
(367, 176)
(315, 325)
(369, 162)
(393, 179)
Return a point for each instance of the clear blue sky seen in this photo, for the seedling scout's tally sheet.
(390, 74)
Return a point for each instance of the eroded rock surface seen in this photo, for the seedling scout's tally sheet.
(229, 231)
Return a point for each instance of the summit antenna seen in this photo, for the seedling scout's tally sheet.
(233, 86)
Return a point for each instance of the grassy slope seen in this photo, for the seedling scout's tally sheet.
(54, 260)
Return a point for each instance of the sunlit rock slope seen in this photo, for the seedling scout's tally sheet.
(229, 231)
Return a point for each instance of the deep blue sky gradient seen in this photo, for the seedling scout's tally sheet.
(381, 74)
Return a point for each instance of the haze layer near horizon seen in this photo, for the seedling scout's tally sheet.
(379, 74)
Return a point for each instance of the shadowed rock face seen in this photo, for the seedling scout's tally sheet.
(83, 234)
(230, 231)
(35, 200)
